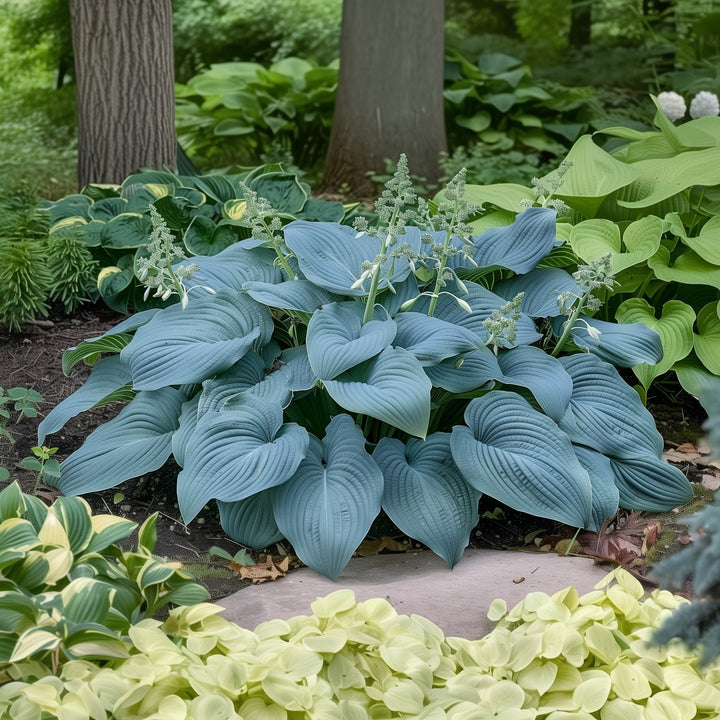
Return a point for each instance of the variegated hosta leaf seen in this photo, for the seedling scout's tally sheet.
(337, 340)
(135, 442)
(250, 521)
(605, 495)
(391, 387)
(237, 453)
(520, 457)
(425, 494)
(461, 375)
(647, 483)
(187, 346)
(327, 507)
(541, 288)
(430, 339)
(605, 413)
(108, 375)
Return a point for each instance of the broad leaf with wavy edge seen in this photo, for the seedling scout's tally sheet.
(650, 484)
(250, 521)
(605, 494)
(298, 294)
(541, 288)
(425, 494)
(461, 375)
(674, 326)
(431, 339)
(520, 457)
(337, 340)
(329, 504)
(605, 413)
(135, 442)
(301, 375)
(688, 268)
(237, 453)
(519, 246)
(392, 387)
(186, 427)
(186, 346)
(707, 338)
(105, 377)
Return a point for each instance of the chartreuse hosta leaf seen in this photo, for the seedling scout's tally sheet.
(688, 268)
(135, 442)
(234, 454)
(328, 505)
(425, 494)
(541, 288)
(707, 243)
(187, 345)
(520, 457)
(391, 387)
(674, 326)
(707, 338)
(250, 521)
(337, 340)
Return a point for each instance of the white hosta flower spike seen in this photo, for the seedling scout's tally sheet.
(704, 103)
(672, 105)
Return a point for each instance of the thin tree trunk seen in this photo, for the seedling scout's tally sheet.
(125, 89)
(580, 23)
(389, 98)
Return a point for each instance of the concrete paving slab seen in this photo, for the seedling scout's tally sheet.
(421, 583)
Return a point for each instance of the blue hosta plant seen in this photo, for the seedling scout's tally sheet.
(319, 373)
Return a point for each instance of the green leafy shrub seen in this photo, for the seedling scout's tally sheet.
(67, 591)
(270, 390)
(554, 657)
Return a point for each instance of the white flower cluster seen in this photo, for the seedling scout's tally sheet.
(673, 105)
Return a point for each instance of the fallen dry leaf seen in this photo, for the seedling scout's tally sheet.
(710, 481)
(687, 447)
(267, 568)
(625, 543)
(369, 548)
(519, 580)
(674, 456)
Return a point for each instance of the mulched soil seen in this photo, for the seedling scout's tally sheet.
(32, 358)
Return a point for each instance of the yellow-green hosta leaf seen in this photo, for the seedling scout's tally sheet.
(683, 680)
(666, 705)
(403, 696)
(707, 339)
(538, 676)
(257, 709)
(497, 610)
(629, 683)
(280, 688)
(591, 239)
(342, 673)
(707, 243)
(689, 268)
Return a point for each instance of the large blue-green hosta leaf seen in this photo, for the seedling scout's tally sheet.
(430, 339)
(391, 387)
(541, 288)
(135, 442)
(328, 505)
(461, 375)
(186, 427)
(520, 457)
(298, 294)
(186, 346)
(337, 340)
(605, 413)
(106, 377)
(650, 484)
(250, 521)
(237, 453)
(425, 494)
(301, 375)
(520, 246)
(605, 494)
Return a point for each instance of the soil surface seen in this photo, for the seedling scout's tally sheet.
(32, 358)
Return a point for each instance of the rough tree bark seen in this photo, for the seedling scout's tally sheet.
(125, 94)
(389, 97)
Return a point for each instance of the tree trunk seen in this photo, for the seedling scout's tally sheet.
(389, 97)
(580, 23)
(125, 94)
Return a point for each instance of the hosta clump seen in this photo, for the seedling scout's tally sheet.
(328, 375)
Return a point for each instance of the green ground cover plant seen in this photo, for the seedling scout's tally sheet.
(313, 374)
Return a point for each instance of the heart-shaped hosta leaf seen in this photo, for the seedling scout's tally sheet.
(541, 288)
(461, 375)
(543, 375)
(430, 339)
(301, 375)
(135, 442)
(186, 346)
(520, 457)
(707, 242)
(298, 294)
(425, 494)
(237, 453)
(186, 427)
(519, 246)
(688, 268)
(107, 376)
(605, 413)
(250, 521)
(675, 328)
(329, 504)
(337, 340)
(707, 339)
(650, 484)
(392, 387)
(404, 291)
(605, 495)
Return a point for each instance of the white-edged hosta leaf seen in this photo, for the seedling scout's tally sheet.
(186, 427)
(707, 338)
(135, 442)
(74, 515)
(298, 294)
(461, 375)
(519, 246)
(187, 346)
(237, 453)
(107, 376)
(250, 521)
(532, 368)
(329, 504)
(520, 457)
(431, 339)
(337, 340)
(674, 326)
(650, 484)
(605, 494)
(425, 494)
(541, 288)
(391, 387)
(605, 413)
